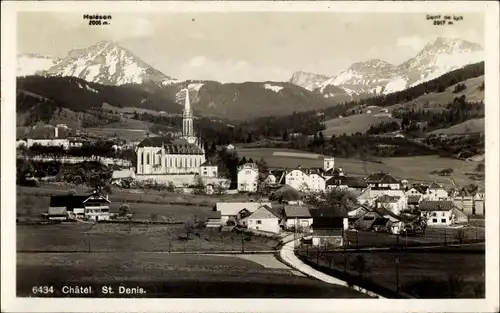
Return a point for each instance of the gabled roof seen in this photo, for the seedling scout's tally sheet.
(413, 199)
(233, 208)
(463, 193)
(214, 214)
(435, 186)
(209, 163)
(263, 212)
(381, 177)
(327, 223)
(69, 201)
(420, 188)
(331, 213)
(178, 146)
(428, 205)
(292, 211)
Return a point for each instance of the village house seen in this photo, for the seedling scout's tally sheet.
(464, 202)
(382, 181)
(235, 211)
(298, 179)
(248, 176)
(373, 218)
(328, 228)
(270, 179)
(296, 217)
(208, 169)
(435, 192)
(417, 190)
(93, 207)
(395, 204)
(263, 219)
(441, 213)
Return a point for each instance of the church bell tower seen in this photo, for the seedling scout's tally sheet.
(187, 121)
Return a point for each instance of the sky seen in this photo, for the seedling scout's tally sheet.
(246, 46)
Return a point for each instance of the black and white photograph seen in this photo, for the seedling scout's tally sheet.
(196, 152)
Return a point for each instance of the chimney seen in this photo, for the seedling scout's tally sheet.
(56, 132)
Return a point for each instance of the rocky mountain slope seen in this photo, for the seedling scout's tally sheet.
(379, 77)
(106, 63)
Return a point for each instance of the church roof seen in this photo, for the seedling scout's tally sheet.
(178, 146)
(155, 142)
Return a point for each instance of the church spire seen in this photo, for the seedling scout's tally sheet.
(187, 120)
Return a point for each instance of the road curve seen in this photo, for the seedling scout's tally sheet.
(287, 254)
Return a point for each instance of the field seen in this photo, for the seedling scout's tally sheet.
(80, 237)
(32, 202)
(422, 274)
(354, 123)
(169, 275)
(468, 127)
(411, 168)
(431, 101)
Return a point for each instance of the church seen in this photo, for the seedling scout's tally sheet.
(164, 156)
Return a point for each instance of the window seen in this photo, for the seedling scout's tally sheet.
(434, 220)
(142, 158)
(247, 172)
(171, 163)
(443, 220)
(147, 158)
(259, 222)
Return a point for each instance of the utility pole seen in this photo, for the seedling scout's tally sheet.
(242, 244)
(396, 261)
(357, 239)
(445, 239)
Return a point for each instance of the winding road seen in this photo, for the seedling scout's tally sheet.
(287, 254)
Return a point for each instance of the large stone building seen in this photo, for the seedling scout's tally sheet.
(164, 156)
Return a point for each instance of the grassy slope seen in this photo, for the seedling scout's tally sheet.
(164, 275)
(468, 127)
(361, 122)
(410, 168)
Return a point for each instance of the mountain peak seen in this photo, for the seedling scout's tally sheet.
(371, 64)
(106, 62)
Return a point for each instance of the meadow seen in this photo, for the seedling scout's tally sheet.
(414, 169)
(422, 274)
(166, 275)
(104, 237)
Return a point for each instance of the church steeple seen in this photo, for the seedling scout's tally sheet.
(187, 120)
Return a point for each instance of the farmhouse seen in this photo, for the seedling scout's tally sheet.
(298, 179)
(263, 219)
(441, 213)
(297, 217)
(94, 207)
(270, 179)
(248, 176)
(417, 190)
(328, 230)
(235, 211)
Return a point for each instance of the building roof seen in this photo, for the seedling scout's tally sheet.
(214, 214)
(292, 211)
(327, 223)
(209, 163)
(388, 199)
(413, 199)
(381, 177)
(232, 208)
(264, 212)
(123, 174)
(428, 205)
(323, 213)
(463, 193)
(435, 186)
(421, 188)
(69, 201)
(178, 146)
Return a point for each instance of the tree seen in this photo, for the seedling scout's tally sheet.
(340, 201)
(219, 189)
(124, 210)
(480, 167)
(170, 187)
(199, 187)
(153, 217)
(285, 136)
(188, 228)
